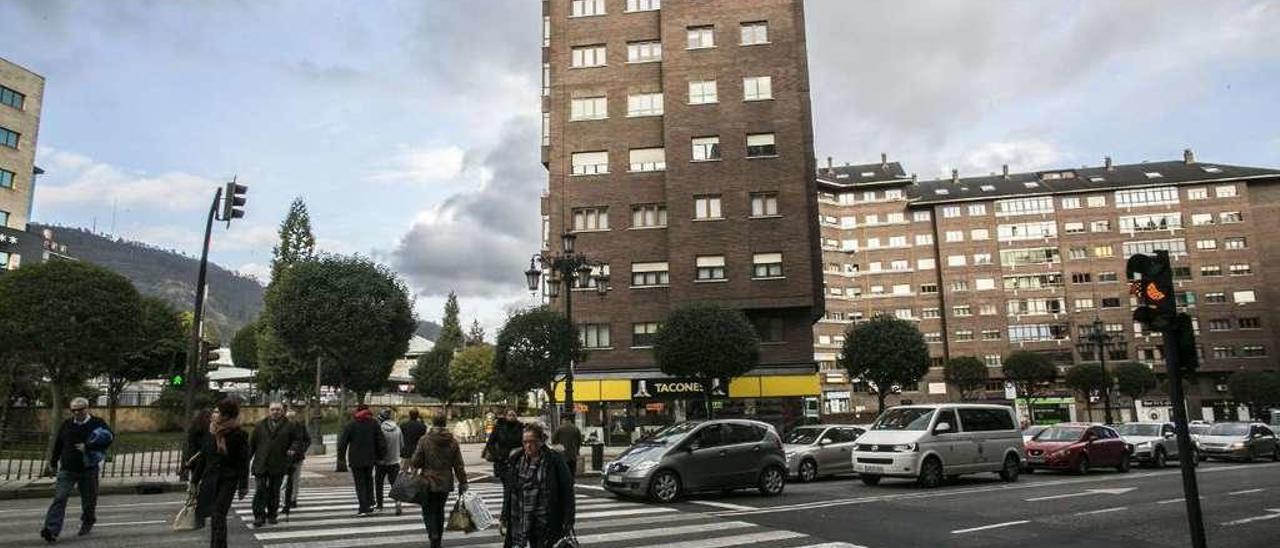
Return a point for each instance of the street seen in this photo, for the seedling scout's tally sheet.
(1142, 508)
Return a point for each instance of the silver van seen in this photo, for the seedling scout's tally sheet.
(931, 442)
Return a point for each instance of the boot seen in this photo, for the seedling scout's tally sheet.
(435, 543)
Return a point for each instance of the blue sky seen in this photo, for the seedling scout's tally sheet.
(410, 127)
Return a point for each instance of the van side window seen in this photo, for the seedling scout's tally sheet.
(948, 416)
(985, 420)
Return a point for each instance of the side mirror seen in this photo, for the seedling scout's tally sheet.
(824, 441)
(942, 428)
(1169, 435)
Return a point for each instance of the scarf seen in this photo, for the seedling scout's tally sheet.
(220, 429)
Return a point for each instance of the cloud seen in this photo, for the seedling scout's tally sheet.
(1026, 155)
(422, 165)
(74, 179)
(257, 271)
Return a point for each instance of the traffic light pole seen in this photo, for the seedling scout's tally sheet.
(1186, 451)
(193, 361)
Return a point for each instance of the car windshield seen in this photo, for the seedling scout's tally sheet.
(1228, 429)
(671, 433)
(803, 436)
(1198, 429)
(905, 418)
(1150, 430)
(1033, 430)
(1058, 433)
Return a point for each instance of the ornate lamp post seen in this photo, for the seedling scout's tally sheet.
(1101, 339)
(566, 268)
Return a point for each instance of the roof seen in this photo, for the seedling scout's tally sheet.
(863, 174)
(419, 345)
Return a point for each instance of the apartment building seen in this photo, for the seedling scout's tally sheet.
(21, 93)
(1029, 261)
(678, 143)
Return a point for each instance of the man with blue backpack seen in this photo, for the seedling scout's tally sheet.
(78, 452)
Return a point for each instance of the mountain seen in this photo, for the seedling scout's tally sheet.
(233, 299)
(429, 330)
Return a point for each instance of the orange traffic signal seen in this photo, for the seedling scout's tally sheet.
(1153, 294)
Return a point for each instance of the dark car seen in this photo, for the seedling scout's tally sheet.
(1239, 441)
(1078, 448)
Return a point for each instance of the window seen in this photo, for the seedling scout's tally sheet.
(983, 284)
(1024, 206)
(1149, 223)
(933, 337)
(1219, 324)
(977, 209)
(766, 265)
(770, 329)
(993, 360)
(1071, 203)
(897, 241)
(591, 218)
(8, 138)
(963, 310)
(1197, 193)
(764, 204)
(1210, 271)
(1100, 226)
(1038, 332)
(893, 195)
(1240, 269)
(1032, 281)
(1230, 217)
(1084, 304)
(1097, 201)
(1250, 323)
(1244, 297)
(1147, 197)
(1102, 251)
(873, 243)
(930, 313)
(584, 8)
(589, 108)
(6, 178)
(1111, 302)
(895, 218)
(643, 5)
(648, 216)
(650, 274)
(12, 98)
(1224, 352)
(955, 235)
(924, 239)
(590, 163)
(755, 32)
(928, 289)
(1201, 219)
(1108, 277)
(1039, 255)
(920, 216)
(987, 310)
(959, 285)
(642, 334)
(926, 264)
(1073, 228)
(955, 260)
(1077, 253)
(644, 104)
(1026, 231)
(979, 234)
(710, 268)
(593, 279)
(702, 92)
(951, 212)
(1081, 277)
(1215, 297)
(1234, 243)
(546, 129)
(761, 145)
(1224, 191)
(588, 56)
(644, 52)
(1253, 351)
(901, 289)
(4, 221)
(1149, 247)
(647, 159)
(594, 335)
(757, 88)
(706, 148)
(546, 79)
(1028, 307)
(702, 37)
(707, 207)
(963, 335)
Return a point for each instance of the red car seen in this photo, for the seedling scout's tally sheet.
(1077, 448)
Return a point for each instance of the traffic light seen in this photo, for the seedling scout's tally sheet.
(177, 379)
(1151, 280)
(208, 352)
(233, 200)
(1185, 341)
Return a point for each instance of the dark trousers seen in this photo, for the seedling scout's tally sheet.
(433, 515)
(291, 485)
(384, 473)
(87, 482)
(572, 461)
(364, 487)
(221, 506)
(266, 496)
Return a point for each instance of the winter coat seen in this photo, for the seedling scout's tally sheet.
(411, 431)
(439, 461)
(67, 456)
(504, 439)
(570, 437)
(391, 434)
(222, 468)
(557, 483)
(361, 442)
(270, 447)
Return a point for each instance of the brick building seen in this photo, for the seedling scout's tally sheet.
(678, 142)
(21, 94)
(988, 265)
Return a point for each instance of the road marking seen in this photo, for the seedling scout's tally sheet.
(152, 522)
(833, 545)
(1181, 499)
(596, 487)
(100, 507)
(1245, 492)
(992, 526)
(719, 504)
(738, 540)
(1102, 511)
(1275, 513)
(664, 532)
(1119, 491)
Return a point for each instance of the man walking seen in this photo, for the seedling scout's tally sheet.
(301, 445)
(411, 431)
(569, 437)
(388, 466)
(79, 448)
(362, 445)
(272, 445)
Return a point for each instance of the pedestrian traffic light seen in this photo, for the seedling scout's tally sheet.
(1151, 281)
(177, 380)
(233, 200)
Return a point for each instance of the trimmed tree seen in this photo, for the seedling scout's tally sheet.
(1134, 380)
(1256, 389)
(160, 346)
(967, 373)
(1085, 379)
(535, 347)
(431, 375)
(471, 373)
(1031, 374)
(244, 346)
(706, 342)
(885, 352)
(451, 336)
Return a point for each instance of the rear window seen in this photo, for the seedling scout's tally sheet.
(985, 420)
(1229, 429)
(745, 433)
(1058, 433)
(803, 436)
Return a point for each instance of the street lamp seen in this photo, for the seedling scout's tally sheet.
(567, 267)
(1101, 339)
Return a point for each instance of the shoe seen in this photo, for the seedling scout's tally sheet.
(377, 509)
(258, 523)
(272, 521)
(48, 535)
(84, 530)
(398, 511)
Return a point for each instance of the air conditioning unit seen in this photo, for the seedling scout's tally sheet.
(1220, 387)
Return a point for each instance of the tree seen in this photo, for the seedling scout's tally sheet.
(1256, 389)
(244, 346)
(67, 317)
(471, 372)
(1134, 380)
(1086, 379)
(160, 346)
(451, 330)
(475, 335)
(967, 373)
(886, 353)
(431, 375)
(706, 342)
(278, 370)
(535, 347)
(297, 243)
(1031, 374)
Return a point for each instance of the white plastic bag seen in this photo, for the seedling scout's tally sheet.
(480, 514)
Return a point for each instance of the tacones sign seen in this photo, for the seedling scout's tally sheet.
(675, 388)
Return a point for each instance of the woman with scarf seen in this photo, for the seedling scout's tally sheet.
(503, 441)
(438, 461)
(542, 498)
(225, 456)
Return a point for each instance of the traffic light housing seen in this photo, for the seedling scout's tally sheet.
(233, 200)
(1151, 280)
(208, 353)
(1185, 342)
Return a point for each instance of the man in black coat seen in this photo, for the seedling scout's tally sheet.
(412, 430)
(78, 449)
(273, 444)
(542, 509)
(361, 445)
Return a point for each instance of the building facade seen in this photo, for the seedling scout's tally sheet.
(678, 142)
(21, 95)
(1030, 261)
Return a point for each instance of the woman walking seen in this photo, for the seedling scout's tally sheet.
(192, 459)
(542, 499)
(438, 460)
(503, 441)
(225, 453)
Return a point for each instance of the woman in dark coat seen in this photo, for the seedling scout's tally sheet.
(225, 453)
(542, 498)
(438, 461)
(503, 441)
(192, 459)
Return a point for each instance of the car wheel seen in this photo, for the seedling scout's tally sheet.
(808, 470)
(1248, 457)
(868, 479)
(1123, 467)
(665, 486)
(930, 473)
(1011, 469)
(772, 480)
(1082, 465)
(1160, 460)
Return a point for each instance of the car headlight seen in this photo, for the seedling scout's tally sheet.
(791, 455)
(1238, 445)
(904, 448)
(1142, 445)
(641, 468)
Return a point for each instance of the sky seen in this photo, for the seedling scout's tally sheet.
(410, 128)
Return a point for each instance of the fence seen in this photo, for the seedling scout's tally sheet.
(22, 457)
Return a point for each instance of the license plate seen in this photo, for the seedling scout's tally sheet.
(615, 478)
(1035, 459)
(871, 468)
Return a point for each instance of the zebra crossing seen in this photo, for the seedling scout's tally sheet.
(326, 519)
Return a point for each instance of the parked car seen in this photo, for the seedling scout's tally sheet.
(1078, 448)
(695, 456)
(821, 450)
(932, 442)
(1154, 443)
(1239, 441)
(1031, 431)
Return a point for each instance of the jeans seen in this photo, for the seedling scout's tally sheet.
(87, 482)
(384, 473)
(291, 485)
(363, 476)
(266, 496)
(226, 491)
(433, 515)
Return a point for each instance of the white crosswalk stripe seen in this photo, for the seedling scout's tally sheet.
(325, 519)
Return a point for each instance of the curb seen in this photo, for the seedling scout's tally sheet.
(146, 488)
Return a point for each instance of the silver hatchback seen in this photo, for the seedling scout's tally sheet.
(820, 450)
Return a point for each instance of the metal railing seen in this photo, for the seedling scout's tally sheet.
(22, 456)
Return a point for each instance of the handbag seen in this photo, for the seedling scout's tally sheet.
(570, 540)
(460, 518)
(186, 518)
(408, 488)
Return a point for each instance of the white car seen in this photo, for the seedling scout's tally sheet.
(932, 442)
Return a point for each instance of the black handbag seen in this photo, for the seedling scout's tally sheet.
(409, 488)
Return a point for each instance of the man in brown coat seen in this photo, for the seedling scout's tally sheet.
(438, 460)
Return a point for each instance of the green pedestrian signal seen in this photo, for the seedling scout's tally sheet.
(177, 380)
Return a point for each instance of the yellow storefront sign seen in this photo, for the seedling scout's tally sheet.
(777, 386)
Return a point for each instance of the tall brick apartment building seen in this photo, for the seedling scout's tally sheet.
(988, 265)
(678, 142)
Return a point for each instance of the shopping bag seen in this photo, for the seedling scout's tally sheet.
(570, 540)
(481, 518)
(186, 518)
(409, 488)
(460, 519)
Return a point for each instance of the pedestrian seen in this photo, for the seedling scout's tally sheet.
(272, 446)
(569, 437)
(193, 461)
(542, 501)
(302, 443)
(362, 445)
(411, 431)
(79, 449)
(438, 460)
(388, 467)
(503, 442)
(225, 453)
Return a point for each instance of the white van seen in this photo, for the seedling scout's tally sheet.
(932, 442)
